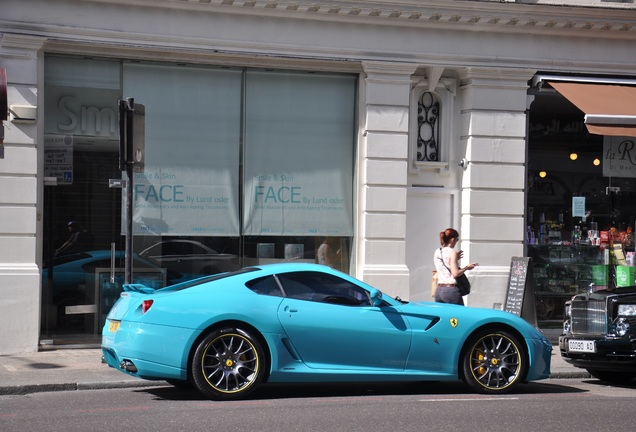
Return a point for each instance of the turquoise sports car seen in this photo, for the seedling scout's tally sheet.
(293, 323)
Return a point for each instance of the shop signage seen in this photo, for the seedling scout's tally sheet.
(189, 182)
(519, 298)
(619, 156)
(58, 158)
(578, 206)
(550, 126)
(81, 112)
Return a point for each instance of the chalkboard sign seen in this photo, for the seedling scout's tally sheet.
(517, 295)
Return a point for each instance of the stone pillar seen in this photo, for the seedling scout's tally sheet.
(493, 134)
(19, 203)
(383, 168)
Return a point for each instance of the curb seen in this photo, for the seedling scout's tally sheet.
(45, 388)
(19, 390)
(583, 374)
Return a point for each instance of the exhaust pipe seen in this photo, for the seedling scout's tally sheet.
(128, 366)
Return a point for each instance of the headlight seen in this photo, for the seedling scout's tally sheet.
(622, 327)
(627, 310)
(567, 327)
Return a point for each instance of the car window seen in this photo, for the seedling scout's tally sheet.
(153, 250)
(322, 287)
(266, 285)
(169, 248)
(196, 249)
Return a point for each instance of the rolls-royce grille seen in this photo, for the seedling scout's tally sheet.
(589, 317)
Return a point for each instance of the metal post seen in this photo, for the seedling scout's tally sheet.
(129, 190)
(131, 156)
(126, 113)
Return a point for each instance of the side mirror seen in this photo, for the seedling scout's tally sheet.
(375, 296)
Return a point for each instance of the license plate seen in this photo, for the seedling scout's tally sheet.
(581, 346)
(113, 326)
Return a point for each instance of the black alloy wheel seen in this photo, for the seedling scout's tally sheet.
(228, 364)
(494, 362)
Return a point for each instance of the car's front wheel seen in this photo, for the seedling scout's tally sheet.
(493, 362)
(228, 364)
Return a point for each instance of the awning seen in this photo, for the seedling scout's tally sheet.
(609, 109)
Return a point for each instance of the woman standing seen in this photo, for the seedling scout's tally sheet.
(446, 260)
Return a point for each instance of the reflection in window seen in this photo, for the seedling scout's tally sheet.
(428, 128)
(320, 287)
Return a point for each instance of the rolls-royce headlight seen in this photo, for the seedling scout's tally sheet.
(622, 327)
(627, 309)
(567, 327)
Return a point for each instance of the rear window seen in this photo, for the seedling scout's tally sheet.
(266, 285)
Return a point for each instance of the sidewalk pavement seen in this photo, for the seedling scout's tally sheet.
(82, 369)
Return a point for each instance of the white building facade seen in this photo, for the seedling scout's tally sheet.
(472, 62)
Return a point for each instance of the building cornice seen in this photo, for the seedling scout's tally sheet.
(24, 42)
(496, 16)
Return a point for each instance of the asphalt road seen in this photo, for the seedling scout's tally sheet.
(549, 405)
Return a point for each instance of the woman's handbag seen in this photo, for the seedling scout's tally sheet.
(434, 283)
(463, 284)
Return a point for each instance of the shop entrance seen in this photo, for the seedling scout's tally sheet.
(580, 218)
(81, 221)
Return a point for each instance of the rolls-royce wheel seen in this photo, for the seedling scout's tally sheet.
(228, 364)
(612, 377)
(493, 362)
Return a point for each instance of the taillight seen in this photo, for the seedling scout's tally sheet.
(145, 305)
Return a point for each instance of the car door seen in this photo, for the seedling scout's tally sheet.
(332, 324)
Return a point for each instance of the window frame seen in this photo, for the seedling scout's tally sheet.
(444, 91)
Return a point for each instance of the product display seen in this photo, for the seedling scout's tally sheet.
(592, 260)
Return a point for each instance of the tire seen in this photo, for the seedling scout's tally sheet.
(228, 364)
(612, 377)
(493, 362)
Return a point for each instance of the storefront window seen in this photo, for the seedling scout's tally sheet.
(298, 155)
(242, 167)
(580, 213)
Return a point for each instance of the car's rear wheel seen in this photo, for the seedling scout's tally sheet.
(228, 364)
(612, 377)
(493, 362)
